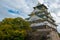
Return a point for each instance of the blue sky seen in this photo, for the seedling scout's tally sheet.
(21, 8)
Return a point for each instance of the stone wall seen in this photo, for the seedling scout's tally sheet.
(43, 35)
(54, 35)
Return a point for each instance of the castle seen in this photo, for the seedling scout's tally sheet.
(43, 24)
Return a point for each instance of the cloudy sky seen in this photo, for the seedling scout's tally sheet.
(21, 8)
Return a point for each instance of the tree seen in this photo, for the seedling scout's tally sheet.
(13, 29)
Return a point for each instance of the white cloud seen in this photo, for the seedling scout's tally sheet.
(58, 14)
(23, 6)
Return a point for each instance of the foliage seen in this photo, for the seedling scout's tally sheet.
(13, 29)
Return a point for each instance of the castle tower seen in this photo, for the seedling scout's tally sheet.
(43, 23)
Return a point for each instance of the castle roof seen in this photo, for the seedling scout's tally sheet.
(40, 6)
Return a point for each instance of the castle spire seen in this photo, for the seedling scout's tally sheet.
(38, 3)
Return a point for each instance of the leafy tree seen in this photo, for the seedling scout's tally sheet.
(13, 29)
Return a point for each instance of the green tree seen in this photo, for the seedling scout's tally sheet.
(13, 29)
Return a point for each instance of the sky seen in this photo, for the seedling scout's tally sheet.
(21, 8)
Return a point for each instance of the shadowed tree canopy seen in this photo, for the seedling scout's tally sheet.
(13, 29)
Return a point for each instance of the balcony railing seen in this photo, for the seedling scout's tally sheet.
(43, 23)
(44, 29)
